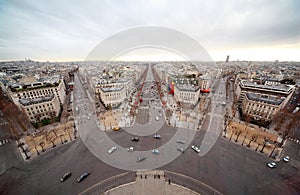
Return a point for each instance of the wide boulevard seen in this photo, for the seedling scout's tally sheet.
(227, 167)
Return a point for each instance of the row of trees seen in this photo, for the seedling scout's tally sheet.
(253, 138)
(51, 136)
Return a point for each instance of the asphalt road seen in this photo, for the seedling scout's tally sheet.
(228, 167)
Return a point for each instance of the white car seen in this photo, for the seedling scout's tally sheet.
(155, 151)
(157, 136)
(156, 118)
(180, 141)
(130, 149)
(114, 148)
(272, 164)
(180, 149)
(286, 159)
(195, 148)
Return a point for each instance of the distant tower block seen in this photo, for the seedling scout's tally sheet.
(227, 58)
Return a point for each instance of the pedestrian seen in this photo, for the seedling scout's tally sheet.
(169, 181)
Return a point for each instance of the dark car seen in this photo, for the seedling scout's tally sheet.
(135, 139)
(65, 176)
(140, 159)
(83, 176)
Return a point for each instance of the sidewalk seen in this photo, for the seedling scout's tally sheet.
(253, 138)
(149, 183)
(50, 137)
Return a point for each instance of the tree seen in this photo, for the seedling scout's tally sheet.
(264, 144)
(273, 150)
(257, 147)
(52, 141)
(244, 138)
(253, 138)
(42, 144)
(238, 135)
(60, 136)
(232, 132)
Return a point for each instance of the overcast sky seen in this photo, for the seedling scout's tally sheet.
(68, 30)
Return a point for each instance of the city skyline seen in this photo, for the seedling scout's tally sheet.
(61, 31)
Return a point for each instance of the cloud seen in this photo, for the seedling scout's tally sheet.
(70, 29)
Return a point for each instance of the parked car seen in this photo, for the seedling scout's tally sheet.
(286, 159)
(140, 159)
(195, 148)
(155, 151)
(272, 164)
(135, 139)
(112, 149)
(180, 149)
(180, 141)
(156, 136)
(65, 176)
(83, 176)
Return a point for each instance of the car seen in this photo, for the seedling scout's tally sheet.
(195, 148)
(116, 128)
(156, 118)
(88, 118)
(155, 151)
(180, 141)
(272, 164)
(180, 149)
(65, 176)
(130, 149)
(156, 136)
(140, 159)
(83, 176)
(112, 149)
(286, 159)
(135, 139)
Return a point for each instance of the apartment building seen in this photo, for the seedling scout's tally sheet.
(187, 94)
(40, 88)
(40, 108)
(262, 102)
(280, 90)
(100, 84)
(41, 99)
(261, 107)
(112, 96)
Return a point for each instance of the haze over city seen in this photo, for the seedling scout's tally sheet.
(68, 31)
(150, 97)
